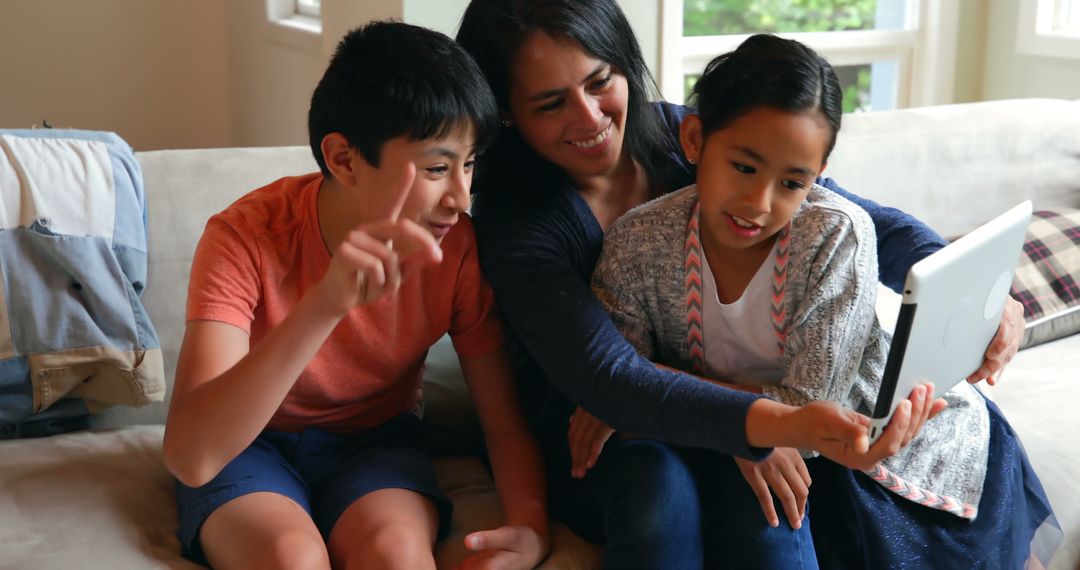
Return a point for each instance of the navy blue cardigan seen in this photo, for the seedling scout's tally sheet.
(539, 243)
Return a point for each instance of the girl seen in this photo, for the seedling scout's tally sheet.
(758, 275)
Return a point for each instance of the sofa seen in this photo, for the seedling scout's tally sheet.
(102, 498)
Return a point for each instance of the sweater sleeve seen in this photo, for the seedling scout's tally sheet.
(566, 330)
(832, 325)
(830, 297)
(902, 240)
(617, 283)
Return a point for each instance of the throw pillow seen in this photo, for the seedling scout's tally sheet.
(1047, 279)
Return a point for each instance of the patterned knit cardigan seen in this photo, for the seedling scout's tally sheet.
(830, 341)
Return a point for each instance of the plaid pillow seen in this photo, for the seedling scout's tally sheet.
(1048, 278)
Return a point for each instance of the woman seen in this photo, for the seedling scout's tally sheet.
(581, 145)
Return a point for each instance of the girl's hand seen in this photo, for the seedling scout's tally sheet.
(1004, 346)
(923, 407)
(842, 435)
(587, 436)
(504, 548)
(784, 471)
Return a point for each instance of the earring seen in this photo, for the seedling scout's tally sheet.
(505, 123)
(691, 161)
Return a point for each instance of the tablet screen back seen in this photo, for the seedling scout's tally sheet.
(951, 309)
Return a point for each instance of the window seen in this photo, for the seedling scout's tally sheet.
(887, 53)
(1049, 28)
(296, 15)
(310, 8)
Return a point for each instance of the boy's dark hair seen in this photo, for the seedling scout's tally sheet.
(767, 71)
(493, 31)
(388, 79)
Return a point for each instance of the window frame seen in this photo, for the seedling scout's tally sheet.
(285, 27)
(308, 8)
(1038, 31)
(925, 53)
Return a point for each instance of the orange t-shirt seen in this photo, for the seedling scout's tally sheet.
(256, 259)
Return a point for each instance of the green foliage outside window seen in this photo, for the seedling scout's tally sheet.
(719, 17)
(854, 82)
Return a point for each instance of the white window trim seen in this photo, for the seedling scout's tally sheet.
(303, 9)
(926, 56)
(1035, 34)
(287, 27)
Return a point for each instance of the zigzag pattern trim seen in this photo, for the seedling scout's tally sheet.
(694, 316)
(779, 287)
(911, 492)
(695, 336)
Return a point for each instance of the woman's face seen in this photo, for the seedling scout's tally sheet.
(568, 106)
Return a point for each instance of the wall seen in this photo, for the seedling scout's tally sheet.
(272, 71)
(970, 52)
(211, 73)
(1008, 74)
(275, 69)
(152, 71)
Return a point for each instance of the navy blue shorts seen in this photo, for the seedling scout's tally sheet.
(323, 472)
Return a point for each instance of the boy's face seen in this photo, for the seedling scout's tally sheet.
(440, 190)
(753, 175)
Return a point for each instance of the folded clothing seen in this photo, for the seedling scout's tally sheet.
(74, 335)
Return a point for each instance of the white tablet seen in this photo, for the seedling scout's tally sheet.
(951, 309)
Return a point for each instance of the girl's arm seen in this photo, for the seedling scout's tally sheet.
(515, 462)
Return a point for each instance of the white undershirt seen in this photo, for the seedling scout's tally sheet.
(740, 343)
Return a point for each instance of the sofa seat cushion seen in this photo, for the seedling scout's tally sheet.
(1039, 392)
(88, 500)
(104, 499)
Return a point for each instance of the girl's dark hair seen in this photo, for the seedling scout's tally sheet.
(492, 31)
(767, 71)
(388, 79)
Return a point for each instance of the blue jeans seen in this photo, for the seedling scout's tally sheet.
(658, 506)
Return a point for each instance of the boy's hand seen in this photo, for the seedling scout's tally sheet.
(587, 437)
(373, 259)
(1003, 347)
(785, 472)
(504, 548)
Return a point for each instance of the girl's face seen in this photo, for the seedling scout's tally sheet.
(753, 174)
(568, 106)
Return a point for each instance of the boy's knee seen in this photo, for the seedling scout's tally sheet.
(391, 546)
(294, 550)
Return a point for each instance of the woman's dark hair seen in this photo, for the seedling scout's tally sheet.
(492, 31)
(767, 71)
(388, 79)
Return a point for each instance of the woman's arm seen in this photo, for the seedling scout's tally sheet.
(551, 310)
(902, 240)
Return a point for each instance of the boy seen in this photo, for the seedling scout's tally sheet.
(312, 304)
